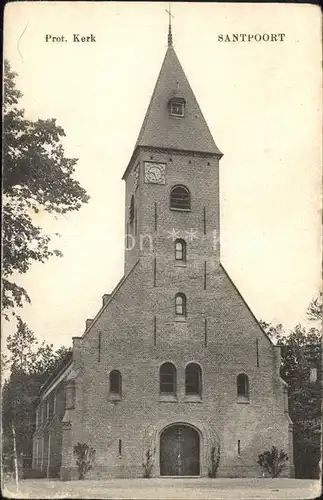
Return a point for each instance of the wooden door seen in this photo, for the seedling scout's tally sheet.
(179, 451)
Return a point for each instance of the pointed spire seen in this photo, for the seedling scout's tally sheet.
(170, 35)
(160, 129)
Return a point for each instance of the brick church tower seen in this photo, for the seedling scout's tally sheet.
(174, 369)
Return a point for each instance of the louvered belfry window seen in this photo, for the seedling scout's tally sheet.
(180, 198)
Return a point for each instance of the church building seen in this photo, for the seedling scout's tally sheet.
(174, 376)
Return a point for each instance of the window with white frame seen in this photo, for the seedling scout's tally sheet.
(177, 108)
(180, 305)
(180, 251)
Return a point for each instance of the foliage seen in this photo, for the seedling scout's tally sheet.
(273, 461)
(215, 460)
(274, 332)
(37, 178)
(315, 309)
(30, 365)
(84, 455)
(301, 351)
(30, 358)
(4, 365)
(148, 462)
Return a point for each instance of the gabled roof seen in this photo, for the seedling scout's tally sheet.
(66, 361)
(245, 303)
(112, 295)
(63, 369)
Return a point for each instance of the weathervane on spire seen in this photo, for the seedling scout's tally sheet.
(170, 36)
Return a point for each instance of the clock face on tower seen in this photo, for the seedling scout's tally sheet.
(155, 173)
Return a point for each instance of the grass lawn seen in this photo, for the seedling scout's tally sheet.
(166, 488)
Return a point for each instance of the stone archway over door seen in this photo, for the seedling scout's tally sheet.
(179, 451)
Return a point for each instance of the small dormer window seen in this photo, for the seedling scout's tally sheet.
(177, 106)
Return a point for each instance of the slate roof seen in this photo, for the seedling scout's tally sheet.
(58, 370)
(160, 129)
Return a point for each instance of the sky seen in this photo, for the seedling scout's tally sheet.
(261, 100)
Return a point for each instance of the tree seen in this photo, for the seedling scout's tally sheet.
(30, 365)
(315, 309)
(273, 461)
(84, 455)
(274, 332)
(37, 176)
(21, 346)
(301, 355)
(27, 356)
(215, 461)
(148, 462)
(4, 366)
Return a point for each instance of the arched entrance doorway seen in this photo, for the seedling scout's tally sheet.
(179, 451)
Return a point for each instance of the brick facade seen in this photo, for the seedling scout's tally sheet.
(137, 330)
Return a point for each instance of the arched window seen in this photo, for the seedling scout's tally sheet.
(180, 198)
(115, 382)
(167, 378)
(180, 251)
(242, 386)
(193, 379)
(180, 304)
